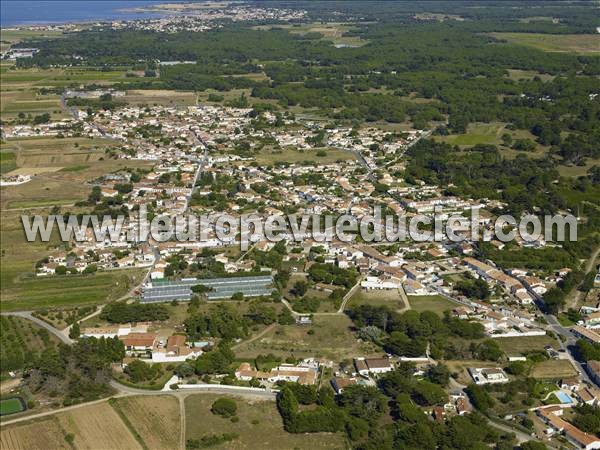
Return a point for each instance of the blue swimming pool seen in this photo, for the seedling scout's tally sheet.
(563, 397)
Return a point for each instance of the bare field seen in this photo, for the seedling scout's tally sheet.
(160, 97)
(259, 426)
(389, 298)
(156, 419)
(43, 434)
(98, 426)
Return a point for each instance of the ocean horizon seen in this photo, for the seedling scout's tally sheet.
(40, 12)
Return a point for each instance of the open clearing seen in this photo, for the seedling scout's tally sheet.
(520, 345)
(160, 97)
(575, 43)
(554, 368)
(270, 156)
(332, 31)
(332, 338)
(156, 419)
(385, 297)
(435, 303)
(42, 434)
(98, 426)
(259, 426)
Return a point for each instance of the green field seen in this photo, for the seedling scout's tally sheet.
(519, 345)
(259, 426)
(69, 290)
(572, 43)
(435, 303)
(8, 161)
(477, 133)
(11, 406)
(271, 156)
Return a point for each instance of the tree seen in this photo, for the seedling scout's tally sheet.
(224, 407)
(479, 397)
(439, 374)
(489, 350)
(426, 393)
(75, 331)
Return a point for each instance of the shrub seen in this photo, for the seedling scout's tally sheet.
(224, 407)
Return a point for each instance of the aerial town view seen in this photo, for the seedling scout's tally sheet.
(300, 225)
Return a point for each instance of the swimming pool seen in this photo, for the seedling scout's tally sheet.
(563, 397)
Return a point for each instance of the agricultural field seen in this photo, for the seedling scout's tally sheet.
(21, 289)
(160, 97)
(570, 43)
(259, 426)
(330, 337)
(435, 303)
(61, 168)
(20, 340)
(98, 426)
(42, 434)
(8, 162)
(554, 369)
(155, 419)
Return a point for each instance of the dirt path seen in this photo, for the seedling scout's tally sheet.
(182, 440)
(254, 338)
(9, 384)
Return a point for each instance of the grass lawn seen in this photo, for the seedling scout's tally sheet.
(259, 426)
(519, 345)
(10, 406)
(554, 369)
(572, 43)
(435, 303)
